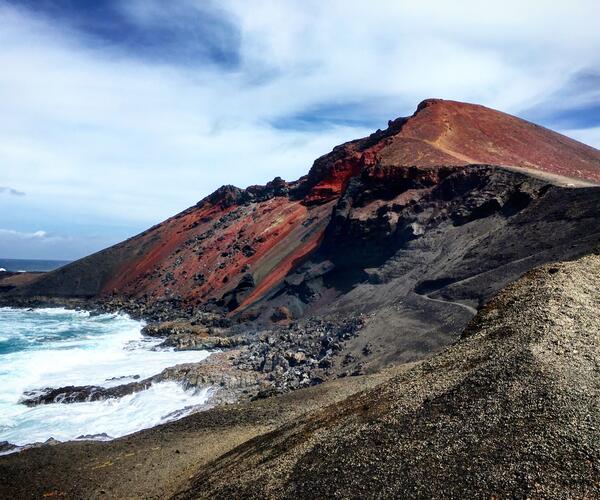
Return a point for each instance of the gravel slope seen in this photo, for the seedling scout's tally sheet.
(511, 410)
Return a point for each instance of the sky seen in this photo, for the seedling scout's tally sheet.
(117, 114)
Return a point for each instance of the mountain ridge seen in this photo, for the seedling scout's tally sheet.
(428, 139)
(377, 229)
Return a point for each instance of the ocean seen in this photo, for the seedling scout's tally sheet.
(20, 265)
(58, 347)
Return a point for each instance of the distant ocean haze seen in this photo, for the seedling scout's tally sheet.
(20, 265)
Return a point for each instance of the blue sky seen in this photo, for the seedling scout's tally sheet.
(118, 114)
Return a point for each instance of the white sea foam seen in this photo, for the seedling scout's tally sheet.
(113, 417)
(57, 347)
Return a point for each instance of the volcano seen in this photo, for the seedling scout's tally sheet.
(430, 290)
(417, 226)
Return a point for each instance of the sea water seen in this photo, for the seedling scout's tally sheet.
(57, 347)
(36, 265)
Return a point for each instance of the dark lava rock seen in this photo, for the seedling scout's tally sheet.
(234, 298)
(94, 437)
(299, 355)
(248, 251)
(80, 394)
(281, 313)
(6, 447)
(194, 342)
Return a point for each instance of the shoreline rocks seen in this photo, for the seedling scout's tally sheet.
(254, 363)
(191, 342)
(217, 372)
(299, 355)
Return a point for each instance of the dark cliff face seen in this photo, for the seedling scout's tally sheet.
(425, 201)
(418, 255)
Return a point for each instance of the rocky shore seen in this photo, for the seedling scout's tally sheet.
(155, 463)
(279, 357)
(246, 362)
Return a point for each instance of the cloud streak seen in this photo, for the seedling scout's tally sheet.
(33, 244)
(39, 235)
(11, 191)
(109, 131)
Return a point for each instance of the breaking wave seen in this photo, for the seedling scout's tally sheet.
(58, 347)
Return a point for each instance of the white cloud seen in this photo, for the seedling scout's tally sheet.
(11, 233)
(507, 54)
(100, 135)
(39, 244)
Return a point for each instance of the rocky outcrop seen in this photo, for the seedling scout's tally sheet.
(228, 383)
(299, 355)
(6, 447)
(420, 251)
(80, 394)
(195, 342)
(269, 362)
(168, 328)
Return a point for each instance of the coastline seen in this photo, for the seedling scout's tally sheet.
(131, 371)
(160, 461)
(284, 355)
(245, 364)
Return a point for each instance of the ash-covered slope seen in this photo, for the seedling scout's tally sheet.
(371, 211)
(511, 410)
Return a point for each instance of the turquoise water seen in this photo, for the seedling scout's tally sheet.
(57, 347)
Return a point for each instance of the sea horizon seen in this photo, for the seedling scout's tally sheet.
(31, 265)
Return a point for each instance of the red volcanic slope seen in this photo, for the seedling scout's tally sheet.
(475, 134)
(204, 252)
(452, 133)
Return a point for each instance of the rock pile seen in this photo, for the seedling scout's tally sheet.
(298, 355)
